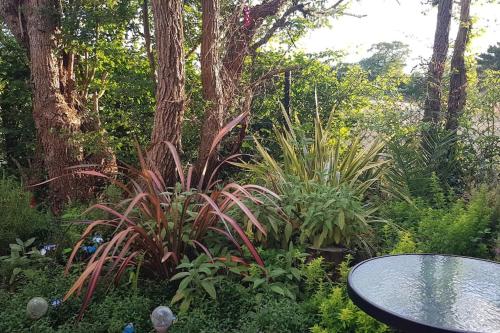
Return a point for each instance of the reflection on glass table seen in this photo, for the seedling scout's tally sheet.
(429, 293)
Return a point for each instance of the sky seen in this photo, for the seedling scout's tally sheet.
(408, 21)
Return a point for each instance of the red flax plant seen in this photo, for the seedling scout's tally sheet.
(161, 224)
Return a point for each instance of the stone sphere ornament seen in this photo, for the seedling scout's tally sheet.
(37, 307)
(162, 318)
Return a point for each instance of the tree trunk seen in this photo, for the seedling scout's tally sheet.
(432, 107)
(56, 121)
(147, 40)
(170, 97)
(222, 83)
(458, 79)
(211, 79)
(35, 25)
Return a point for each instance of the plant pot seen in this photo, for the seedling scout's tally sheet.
(332, 254)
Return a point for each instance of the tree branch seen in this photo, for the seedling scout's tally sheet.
(279, 23)
(11, 13)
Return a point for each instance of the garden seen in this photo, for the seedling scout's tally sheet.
(149, 158)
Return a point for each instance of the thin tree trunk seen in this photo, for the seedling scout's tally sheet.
(458, 79)
(286, 91)
(432, 107)
(170, 96)
(147, 40)
(211, 79)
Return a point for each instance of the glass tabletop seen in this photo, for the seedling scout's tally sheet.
(429, 293)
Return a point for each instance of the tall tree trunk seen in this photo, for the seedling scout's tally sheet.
(221, 83)
(170, 96)
(432, 107)
(147, 40)
(458, 79)
(56, 121)
(35, 24)
(211, 79)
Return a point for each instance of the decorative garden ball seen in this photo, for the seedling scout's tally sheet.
(129, 328)
(37, 307)
(162, 318)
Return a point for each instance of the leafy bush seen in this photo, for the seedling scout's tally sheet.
(328, 215)
(338, 313)
(405, 244)
(273, 314)
(162, 224)
(325, 182)
(238, 309)
(18, 219)
(21, 261)
(109, 312)
(466, 229)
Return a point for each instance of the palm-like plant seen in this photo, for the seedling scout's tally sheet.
(324, 158)
(161, 224)
(324, 163)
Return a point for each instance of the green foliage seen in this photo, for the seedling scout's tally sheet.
(277, 315)
(314, 274)
(18, 219)
(386, 56)
(109, 312)
(325, 181)
(17, 129)
(21, 261)
(199, 275)
(454, 227)
(490, 59)
(282, 274)
(405, 244)
(328, 215)
(465, 229)
(339, 314)
(239, 309)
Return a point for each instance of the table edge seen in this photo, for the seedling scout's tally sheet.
(391, 318)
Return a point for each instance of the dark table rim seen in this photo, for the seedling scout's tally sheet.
(391, 318)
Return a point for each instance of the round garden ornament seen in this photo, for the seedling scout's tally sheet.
(129, 328)
(37, 307)
(162, 318)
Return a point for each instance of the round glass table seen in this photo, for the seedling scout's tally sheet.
(429, 293)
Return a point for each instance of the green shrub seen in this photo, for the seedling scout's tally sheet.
(465, 229)
(326, 181)
(18, 219)
(405, 244)
(337, 312)
(273, 314)
(110, 311)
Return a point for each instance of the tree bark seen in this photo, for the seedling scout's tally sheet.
(147, 40)
(432, 107)
(210, 59)
(286, 91)
(35, 25)
(458, 79)
(170, 96)
(221, 72)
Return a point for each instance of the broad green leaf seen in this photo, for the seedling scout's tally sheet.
(278, 290)
(180, 275)
(209, 288)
